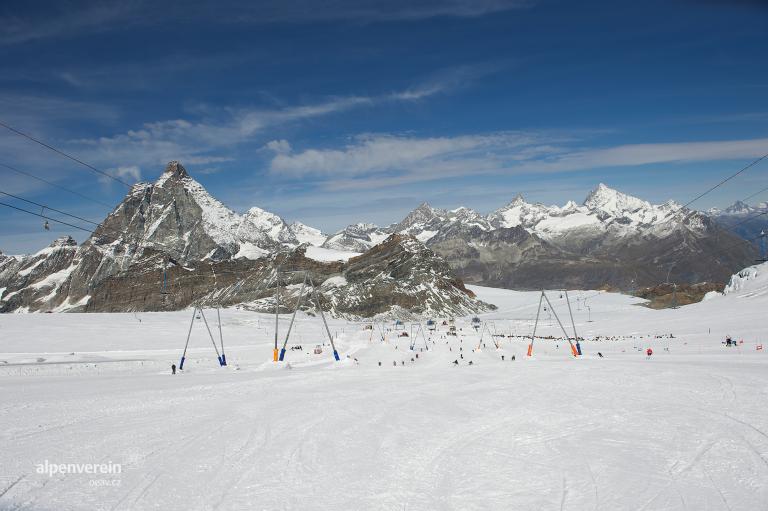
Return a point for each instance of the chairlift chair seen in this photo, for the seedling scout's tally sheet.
(46, 226)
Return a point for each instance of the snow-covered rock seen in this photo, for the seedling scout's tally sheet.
(307, 234)
(356, 238)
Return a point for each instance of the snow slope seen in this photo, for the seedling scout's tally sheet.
(329, 254)
(687, 429)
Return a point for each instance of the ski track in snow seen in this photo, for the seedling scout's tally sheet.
(684, 430)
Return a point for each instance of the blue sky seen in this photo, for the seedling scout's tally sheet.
(337, 112)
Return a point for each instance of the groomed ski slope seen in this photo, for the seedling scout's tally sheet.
(687, 429)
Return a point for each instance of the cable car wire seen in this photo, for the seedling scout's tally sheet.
(62, 153)
(73, 192)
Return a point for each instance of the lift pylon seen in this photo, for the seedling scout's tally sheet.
(544, 297)
(314, 295)
(219, 357)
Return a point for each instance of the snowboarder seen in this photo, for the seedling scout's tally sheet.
(173, 368)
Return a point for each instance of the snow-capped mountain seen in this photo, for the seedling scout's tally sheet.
(748, 221)
(356, 238)
(611, 239)
(307, 234)
(35, 278)
(170, 244)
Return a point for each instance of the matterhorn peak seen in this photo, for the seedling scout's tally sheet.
(174, 169)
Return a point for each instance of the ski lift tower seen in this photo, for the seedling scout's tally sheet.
(311, 294)
(763, 254)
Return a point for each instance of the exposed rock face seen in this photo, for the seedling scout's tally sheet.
(402, 272)
(669, 295)
(399, 275)
(211, 255)
(36, 279)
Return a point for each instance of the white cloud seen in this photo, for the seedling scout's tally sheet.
(103, 16)
(201, 142)
(279, 146)
(132, 172)
(374, 161)
(373, 154)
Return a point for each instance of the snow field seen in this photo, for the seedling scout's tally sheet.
(687, 429)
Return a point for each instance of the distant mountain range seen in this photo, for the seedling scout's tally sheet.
(744, 220)
(611, 240)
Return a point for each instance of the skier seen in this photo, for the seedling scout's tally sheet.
(173, 368)
(513, 358)
(455, 362)
(649, 352)
(599, 354)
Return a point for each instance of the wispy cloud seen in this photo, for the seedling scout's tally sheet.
(375, 161)
(94, 17)
(103, 16)
(201, 142)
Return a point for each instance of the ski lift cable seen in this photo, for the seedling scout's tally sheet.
(718, 185)
(49, 207)
(62, 153)
(80, 228)
(721, 183)
(755, 194)
(749, 218)
(51, 183)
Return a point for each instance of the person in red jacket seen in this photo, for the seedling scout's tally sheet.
(649, 352)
